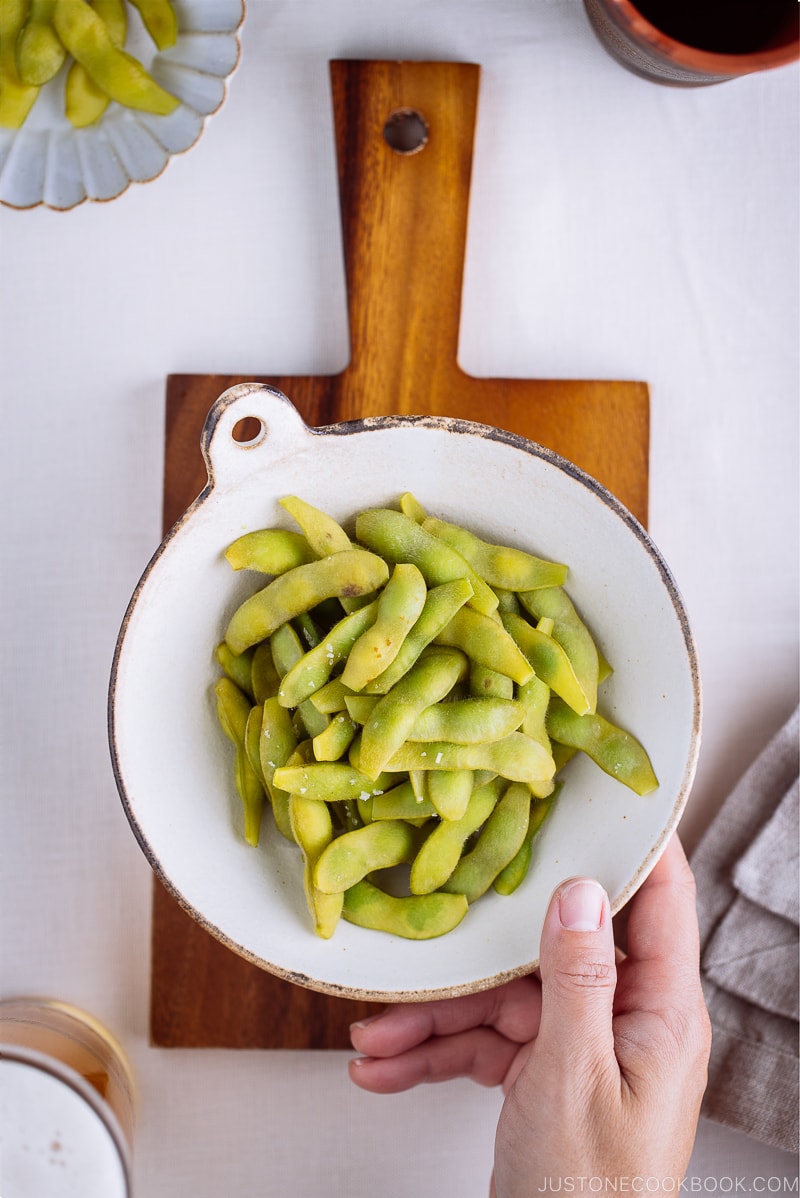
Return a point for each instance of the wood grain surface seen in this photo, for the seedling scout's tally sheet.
(404, 220)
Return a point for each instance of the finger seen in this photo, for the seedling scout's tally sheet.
(578, 973)
(480, 1054)
(512, 1009)
(663, 937)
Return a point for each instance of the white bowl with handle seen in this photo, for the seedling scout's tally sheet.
(173, 765)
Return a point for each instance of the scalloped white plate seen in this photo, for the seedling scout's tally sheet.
(49, 162)
(173, 765)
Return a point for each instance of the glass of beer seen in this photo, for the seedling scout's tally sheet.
(66, 1104)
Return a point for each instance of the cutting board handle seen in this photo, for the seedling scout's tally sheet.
(404, 220)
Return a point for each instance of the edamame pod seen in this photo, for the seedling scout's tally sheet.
(158, 17)
(237, 666)
(499, 565)
(40, 52)
(515, 757)
(513, 875)
(399, 606)
(449, 791)
(286, 652)
(398, 538)
(549, 661)
(468, 721)
(486, 642)
(276, 747)
(352, 572)
(394, 714)
(312, 828)
(84, 101)
(571, 633)
(330, 781)
(321, 531)
(411, 507)
(233, 711)
(124, 79)
(440, 606)
(16, 97)
(441, 852)
(483, 681)
(264, 677)
(401, 803)
(350, 857)
(331, 697)
(499, 841)
(616, 752)
(312, 671)
(414, 917)
(269, 551)
(334, 741)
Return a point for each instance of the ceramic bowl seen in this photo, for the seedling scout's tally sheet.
(173, 766)
(49, 162)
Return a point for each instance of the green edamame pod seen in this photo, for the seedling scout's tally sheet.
(84, 101)
(233, 711)
(401, 803)
(311, 671)
(399, 606)
(313, 830)
(334, 741)
(398, 538)
(513, 875)
(616, 752)
(549, 661)
(499, 841)
(412, 508)
(287, 651)
(350, 857)
(535, 696)
(468, 721)
(40, 52)
(441, 851)
(252, 739)
(124, 79)
(499, 565)
(321, 531)
(483, 681)
(331, 697)
(571, 633)
(449, 791)
(269, 551)
(515, 757)
(486, 642)
(394, 714)
(159, 20)
(360, 707)
(16, 97)
(352, 572)
(330, 781)
(264, 677)
(276, 747)
(414, 917)
(251, 792)
(237, 666)
(440, 606)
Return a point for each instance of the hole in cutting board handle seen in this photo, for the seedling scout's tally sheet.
(406, 131)
(248, 432)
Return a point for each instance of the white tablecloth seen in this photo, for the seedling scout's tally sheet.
(617, 229)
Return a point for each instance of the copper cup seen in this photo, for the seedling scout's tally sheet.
(688, 43)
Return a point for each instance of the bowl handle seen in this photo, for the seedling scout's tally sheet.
(249, 426)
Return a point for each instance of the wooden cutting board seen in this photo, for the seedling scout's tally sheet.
(404, 215)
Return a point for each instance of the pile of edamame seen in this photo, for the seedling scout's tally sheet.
(407, 698)
(37, 37)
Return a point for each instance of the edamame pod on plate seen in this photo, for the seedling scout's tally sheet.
(414, 916)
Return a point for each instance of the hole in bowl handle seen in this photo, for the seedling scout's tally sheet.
(248, 425)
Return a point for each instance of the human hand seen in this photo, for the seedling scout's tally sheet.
(602, 1062)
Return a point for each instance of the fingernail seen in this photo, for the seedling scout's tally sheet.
(580, 905)
(367, 1020)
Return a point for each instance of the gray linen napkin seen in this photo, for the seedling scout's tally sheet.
(746, 867)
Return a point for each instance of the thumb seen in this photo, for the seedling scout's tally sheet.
(578, 971)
